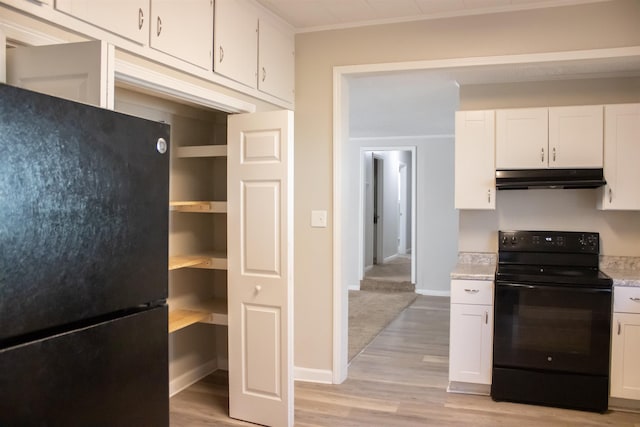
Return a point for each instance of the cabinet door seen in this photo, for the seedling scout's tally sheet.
(236, 41)
(521, 138)
(621, 157)
(183, 30)
(260, 272)
(129, 19)
(625, 347)
(82, 72)
(575, 137)
(475, 175)
(470, 343)
(275, 60)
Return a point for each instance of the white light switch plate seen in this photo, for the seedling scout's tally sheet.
(319, 219)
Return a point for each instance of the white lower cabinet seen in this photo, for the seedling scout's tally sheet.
(471, 331)
(625, 344)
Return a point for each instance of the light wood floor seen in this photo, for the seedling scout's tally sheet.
(399, 380)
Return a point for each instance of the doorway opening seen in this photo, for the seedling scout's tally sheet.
(398, 111)
(387, 220)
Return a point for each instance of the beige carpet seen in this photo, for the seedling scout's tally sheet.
(393, 276)
(370, 312)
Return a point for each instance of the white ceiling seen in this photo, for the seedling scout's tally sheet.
(313, 15)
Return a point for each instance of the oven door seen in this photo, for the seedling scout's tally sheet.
(551, 327)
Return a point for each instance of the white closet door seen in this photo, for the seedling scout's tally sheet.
(260, 271)
(80, 72)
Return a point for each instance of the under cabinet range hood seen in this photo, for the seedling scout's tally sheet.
(517, 179)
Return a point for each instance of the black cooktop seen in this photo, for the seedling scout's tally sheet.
(550, 257)
(560, 275)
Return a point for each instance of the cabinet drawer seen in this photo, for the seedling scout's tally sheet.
(472, 292)
(625, 299)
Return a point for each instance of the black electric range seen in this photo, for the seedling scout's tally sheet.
(552, 320)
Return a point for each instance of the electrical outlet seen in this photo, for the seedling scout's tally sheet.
(319, 219)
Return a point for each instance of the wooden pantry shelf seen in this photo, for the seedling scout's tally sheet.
(208, 260)
(213, 311)
(202, 151)
(199, 206)
(176, 262)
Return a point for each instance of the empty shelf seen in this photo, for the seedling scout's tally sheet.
(208, 260)
(213, 311)
(199, 206)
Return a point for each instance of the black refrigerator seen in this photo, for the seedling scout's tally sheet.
(83, 265)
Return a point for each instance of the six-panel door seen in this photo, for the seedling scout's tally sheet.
(260, 275)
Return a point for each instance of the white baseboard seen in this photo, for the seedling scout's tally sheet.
(313, 375)
(625, 405)
(469, 388)
(354, 287)
(192, 376)
(433, 293)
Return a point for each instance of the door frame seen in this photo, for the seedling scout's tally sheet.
(3, 57)
(402, 209)
(362, 205)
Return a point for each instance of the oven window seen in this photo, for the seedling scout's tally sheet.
(552, 329)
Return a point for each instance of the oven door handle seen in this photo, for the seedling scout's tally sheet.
(553, 287)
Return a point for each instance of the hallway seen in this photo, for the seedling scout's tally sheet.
(392, 276)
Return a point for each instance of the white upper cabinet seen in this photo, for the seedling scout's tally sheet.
(183, 29)
(474, 160)
(236, 41)
(276, 60)
(555, 137)
(621, 157)
(575, 137)
(129, 19)
(522, 138)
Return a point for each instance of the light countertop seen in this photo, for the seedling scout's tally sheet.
(475, 266)
(625, 271)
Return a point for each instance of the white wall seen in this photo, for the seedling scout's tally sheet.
(569, 210)
(405, 159)
(436, 218)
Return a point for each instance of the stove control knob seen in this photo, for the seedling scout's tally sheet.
(514, 240)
